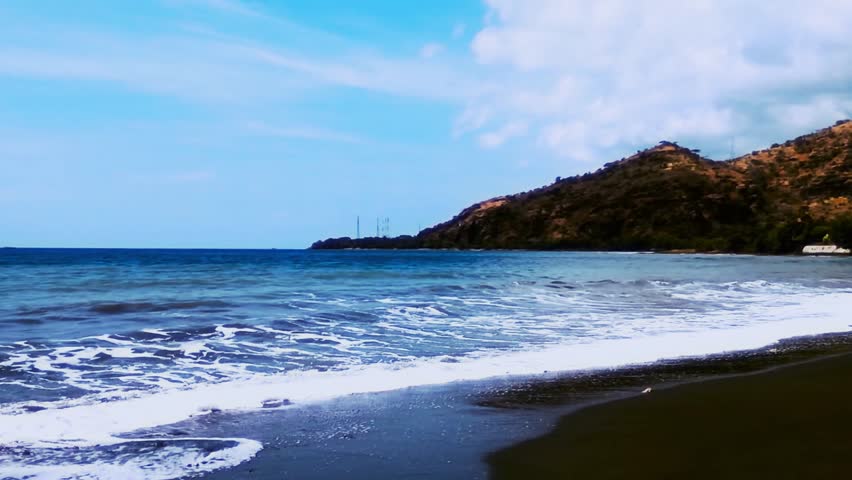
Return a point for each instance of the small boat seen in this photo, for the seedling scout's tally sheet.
(825, 250)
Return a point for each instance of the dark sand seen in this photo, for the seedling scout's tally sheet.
(789, 422)
(447, 431)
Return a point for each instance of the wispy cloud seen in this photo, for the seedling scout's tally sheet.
(227, 6)
(472, 118)
(389, 75)
(198, 62)
(303, 132)
(174, 67)
(579, 79)
(199, 65)
(458, 30)
(431, 49)
(498, 137)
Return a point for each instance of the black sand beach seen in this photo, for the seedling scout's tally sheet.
(793, 421)
(777, 411)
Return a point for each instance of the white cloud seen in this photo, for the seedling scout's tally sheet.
(212, 71)
(174, 67)
(560, 97)
(201, 65)
(472, 118)
(431, 49)
(594, 78)
(584, 79)
(498, 137)
(389, 75)
(803, 115)
(563, 135)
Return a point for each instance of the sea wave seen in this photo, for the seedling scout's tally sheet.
(138, 364)
(47, 430)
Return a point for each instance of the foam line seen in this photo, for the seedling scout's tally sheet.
(108, 418)
(81, 423)
(175, 458)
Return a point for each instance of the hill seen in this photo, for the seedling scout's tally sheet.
(668, 198)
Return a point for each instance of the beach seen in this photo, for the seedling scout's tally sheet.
(467, 430)
(458, 240)
(160, 364)
(790, 421)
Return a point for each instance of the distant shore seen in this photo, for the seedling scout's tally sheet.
(789, 421)
(680, 251)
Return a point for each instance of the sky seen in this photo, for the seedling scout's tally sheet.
(261, 124)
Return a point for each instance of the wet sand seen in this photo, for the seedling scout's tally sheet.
(793, 421)
(447, 431)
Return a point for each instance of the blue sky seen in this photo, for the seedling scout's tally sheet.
(226, 123)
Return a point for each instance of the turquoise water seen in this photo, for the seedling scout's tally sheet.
(99, 345)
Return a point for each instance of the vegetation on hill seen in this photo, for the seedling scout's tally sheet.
(668, 198)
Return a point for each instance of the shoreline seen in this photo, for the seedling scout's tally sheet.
(535, 250)
(572, 387)
(468, 424)
(786, 419)
(465, 423)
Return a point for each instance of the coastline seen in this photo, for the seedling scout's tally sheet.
(796, 254)
(472, 427)
(347, 365)
(784, 420)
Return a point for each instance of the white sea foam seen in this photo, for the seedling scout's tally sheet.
(174, 459)
(87, 422)
(605, 333)
(155, 331)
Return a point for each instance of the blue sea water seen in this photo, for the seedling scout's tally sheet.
(101, 351)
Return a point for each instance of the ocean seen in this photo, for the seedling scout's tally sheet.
(160, 364)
